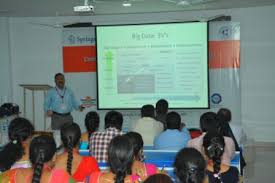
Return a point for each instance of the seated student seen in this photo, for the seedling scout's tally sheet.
(158, 178)
(208, 122)
(42, 153)
(173, 138)
(234, 131)
(120, 159)
(143, 170)
(161, 111)
(147, 126)
(99, 141)
(218, 172)
(15, 154)
(77, 166)
(91, 124)
(224, 118)
(189, 166)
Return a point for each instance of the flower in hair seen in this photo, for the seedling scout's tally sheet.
(14, 141)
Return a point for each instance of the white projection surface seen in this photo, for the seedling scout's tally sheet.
(140, 64)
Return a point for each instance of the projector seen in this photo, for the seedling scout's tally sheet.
(86, 8)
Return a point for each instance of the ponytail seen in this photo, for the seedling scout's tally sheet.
(217, 168)
(70, 155)
(214, 148)
(38, 167)
(120, 176)
(191, 175)
(12, 152)
(70, 136)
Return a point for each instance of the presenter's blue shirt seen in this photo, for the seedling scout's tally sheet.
(60, 101)
(172, 139)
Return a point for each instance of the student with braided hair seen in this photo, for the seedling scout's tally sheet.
(189, 166)
(42, 153)
(15, 154)
(91, 124)
(77, 166)
(218, 172)
(143, 170)
(120, 159)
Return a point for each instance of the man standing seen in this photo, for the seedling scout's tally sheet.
(60, 102)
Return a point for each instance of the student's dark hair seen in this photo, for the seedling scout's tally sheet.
(223, 118)
(208, 122)
(42, 150)
(213, 144)
(19, 130)
(120, 157)
(148, 110)
(173, 120)
(158, 178)
(113, 119)
(161, 106)
(224, 115)
(137, 142)
(91, 122)
(58, 74)
(70, 136)
(189, 166)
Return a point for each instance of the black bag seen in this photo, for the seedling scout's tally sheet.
(8, 109)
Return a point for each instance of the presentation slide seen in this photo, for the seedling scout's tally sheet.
(140, 64)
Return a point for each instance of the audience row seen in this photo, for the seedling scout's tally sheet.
(206, 158)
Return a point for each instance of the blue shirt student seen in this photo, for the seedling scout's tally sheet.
(60, 100)
(172, 139)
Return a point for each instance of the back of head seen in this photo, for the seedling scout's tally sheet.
(113, 119)
(42, 150)
(223, 118)
(224, 115)
(148, 111)
(158, 178)
(70, 136)
(173, 120)
(137, 142)
(161, 106)
(19, 130)
(213, 144)
(120, 157)
(190, 166)
(208, 122)
(91, 122)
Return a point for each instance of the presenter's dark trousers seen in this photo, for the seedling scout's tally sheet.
(58, 120)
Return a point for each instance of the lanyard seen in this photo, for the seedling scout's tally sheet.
(60, 95)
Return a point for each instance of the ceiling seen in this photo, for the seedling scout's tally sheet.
(43, 8)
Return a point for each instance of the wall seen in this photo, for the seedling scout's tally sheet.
(5, 69)
(36, 57)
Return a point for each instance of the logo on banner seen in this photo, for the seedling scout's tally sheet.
(225, 32)
(71, 39)
(216, 98)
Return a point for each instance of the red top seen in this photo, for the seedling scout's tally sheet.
(87, 165)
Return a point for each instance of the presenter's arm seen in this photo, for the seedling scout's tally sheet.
(47, 104)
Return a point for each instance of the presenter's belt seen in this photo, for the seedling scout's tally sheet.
(61, 114)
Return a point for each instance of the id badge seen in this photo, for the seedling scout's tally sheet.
(63, 106)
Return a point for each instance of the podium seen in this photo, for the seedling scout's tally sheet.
(33, 88)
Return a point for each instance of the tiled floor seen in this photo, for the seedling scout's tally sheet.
(260, 164)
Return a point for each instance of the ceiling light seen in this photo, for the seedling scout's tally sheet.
(184, 3)
(126, 4)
